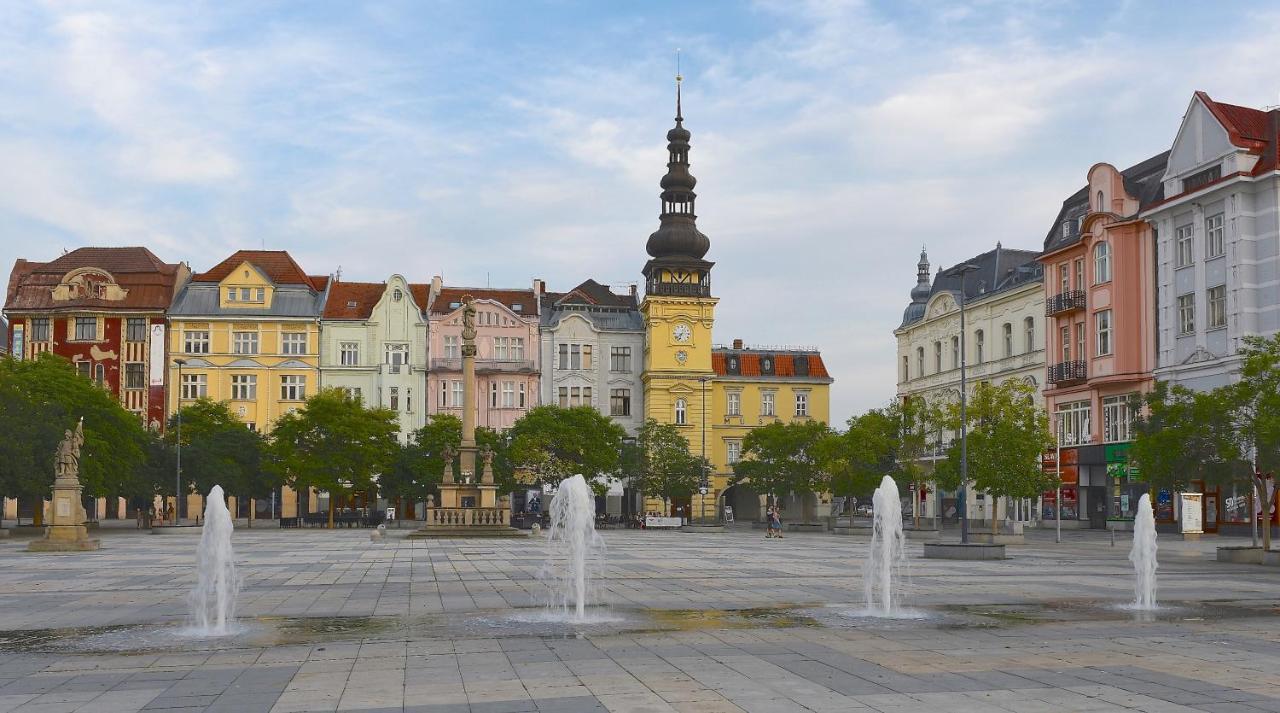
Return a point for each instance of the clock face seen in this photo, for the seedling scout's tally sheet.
(682, 333)
(682, 356)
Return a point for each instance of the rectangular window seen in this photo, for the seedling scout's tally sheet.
(195, 341)
(493, 395)
(508, 394)
(195, 386)
(620, 359)
(564, 357)
(1102, 320)
(802, 403)
(40, 331)
(575, 356)
(457, 394)
(85, 369)
(135, 376)
(408, 400)
(766, 403)
(1202, 178)
(1064, 278)
(586, 356)
(245, 342)
(586, 396)
(293, 388)
(1182, 240)
(955, 353)
(500, 348)
(1079, 269)
(397, 354)
(452, 348)
(517, 349)
(564, 397)
(620, 402)
(1117, 419)
(349, 353)
(395, 398)
(520, 399)
(294, 343)
(1217, 308)
(444, 394)
(1213, 243)
(86, 329)
(1081, 354)
(937, 357)
(354, 392)
(1008, 339)
(1187, 313)
(1066, 343)
(244, 387)
(733, 451)
(1074, 426)
(260, 295)
(231, 294)
(135, 329)
(734, 406)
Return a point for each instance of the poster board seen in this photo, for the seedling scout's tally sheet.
(1192, 512)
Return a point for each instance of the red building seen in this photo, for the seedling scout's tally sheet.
(103, 309)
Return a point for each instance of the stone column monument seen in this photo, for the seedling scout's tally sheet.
(66, 531)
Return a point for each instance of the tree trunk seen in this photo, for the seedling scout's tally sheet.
(37, 513)
(253, 506)
(331, 504)
(1264, 512)
(995, 520)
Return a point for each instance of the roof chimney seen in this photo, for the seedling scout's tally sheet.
(737, 344)
(539, 287)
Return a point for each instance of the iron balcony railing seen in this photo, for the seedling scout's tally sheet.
(1068, 301)
(486, 365)
(1067, 372)
(679, 289)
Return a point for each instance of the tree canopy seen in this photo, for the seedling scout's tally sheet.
(783, 458)
(551, 443)
(664, 467)
(218, 449)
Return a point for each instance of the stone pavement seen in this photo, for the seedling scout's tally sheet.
(709, 622)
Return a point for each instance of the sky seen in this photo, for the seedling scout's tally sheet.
(498, 142)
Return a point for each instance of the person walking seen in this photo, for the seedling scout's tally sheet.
(777, 523)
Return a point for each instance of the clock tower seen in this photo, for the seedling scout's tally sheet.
(678, 308)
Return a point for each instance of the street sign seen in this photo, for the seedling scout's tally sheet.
(702, 491)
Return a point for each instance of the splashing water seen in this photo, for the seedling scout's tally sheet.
(575, 552)
(213, 599)
(887, 555)
(1143, 556)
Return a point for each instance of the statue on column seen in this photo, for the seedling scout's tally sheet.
(66, 464)
(468, 326)
(448, 454)
(486, 457)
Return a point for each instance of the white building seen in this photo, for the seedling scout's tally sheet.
(1004, 322)
(1218, 242)
(373, 343)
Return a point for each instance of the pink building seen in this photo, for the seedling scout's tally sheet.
(507, 368)
(1099, 278)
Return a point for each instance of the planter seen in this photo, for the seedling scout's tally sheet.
(986, 538)
(958, 551)
(1240, 555)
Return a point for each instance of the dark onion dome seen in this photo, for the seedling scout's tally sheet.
(678, 234)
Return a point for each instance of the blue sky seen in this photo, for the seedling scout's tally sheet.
(502, 141)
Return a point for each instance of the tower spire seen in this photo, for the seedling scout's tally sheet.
(679, 79)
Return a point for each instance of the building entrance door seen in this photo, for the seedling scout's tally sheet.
(1210, 519)
(1098, 507)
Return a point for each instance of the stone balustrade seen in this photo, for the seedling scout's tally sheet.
(467, 517)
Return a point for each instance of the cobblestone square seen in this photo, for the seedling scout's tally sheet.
(700, 622)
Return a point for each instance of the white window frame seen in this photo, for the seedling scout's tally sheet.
(456, 394)
(1184, 249)
(1216, 307)
(767, 404)
(293, 387)
(732, 451)
(508, 394)
(1074, 423)
(85, 335)
(1186, 306)
(682, 412)
(802, 403)
(244, 343)
(195, 341)
(1103, 332)
(500, 348)
(733, 403)
(1117, 419)
(194, 386)
(1214, 244)
(349, 353)
(1007, 333)
(517, 349)
(244, 387)
(1029, 330)
(452, 347)
(1101, 262)
(293, 343)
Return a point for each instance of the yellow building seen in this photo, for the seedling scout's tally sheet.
(717, 395)
(754, 387)
(247, 332)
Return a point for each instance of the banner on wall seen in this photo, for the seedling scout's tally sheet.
(157, 355)
(19, 346)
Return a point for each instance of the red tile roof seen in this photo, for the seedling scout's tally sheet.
(783, 364)
(278, 265)
(527, 299)
(149, 283)
(356, 300)
(1256, 130)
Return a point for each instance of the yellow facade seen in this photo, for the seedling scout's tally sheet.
(730, 429)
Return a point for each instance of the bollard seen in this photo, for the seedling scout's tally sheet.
(1113, 537)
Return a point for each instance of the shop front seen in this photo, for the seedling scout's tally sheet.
(1070, 479)
(1123, 486)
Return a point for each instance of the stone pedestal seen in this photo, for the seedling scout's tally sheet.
(66, 530)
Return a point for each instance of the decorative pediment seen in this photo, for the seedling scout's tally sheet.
(244, 364)
(198, 363)
(1200, 355)
(293, 364)
(681, 388)
(89, 283)
(940, 305)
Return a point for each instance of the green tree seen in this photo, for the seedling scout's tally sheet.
(663, 465)
(503, 469)
(419, 464)
(1008, 434)
(551, 443)
(219, 449)
(334, 444)
(43, 398)
(783, 458)
(1255, 405)
(1183, 436)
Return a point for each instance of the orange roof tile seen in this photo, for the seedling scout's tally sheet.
(527, 300)
(276, 264)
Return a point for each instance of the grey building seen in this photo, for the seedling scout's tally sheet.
(1218, 242)
(592, 344)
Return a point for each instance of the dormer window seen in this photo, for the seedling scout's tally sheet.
(1067, 228)
(517, 308)
(397, 295)
(454, 305)
(351, 304)
(1196, 180)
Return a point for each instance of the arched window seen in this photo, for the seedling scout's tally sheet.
(906, 375)
(978, 342)
(1008, 339)
(682, 412)
(920, 361)
(1029, 327)
(1101, 263)
(937, 356)
(955, 352)
(1098, 205)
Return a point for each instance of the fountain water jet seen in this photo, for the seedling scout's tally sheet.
(213, 599)
(575, 552)
(887, 555)
(1143, 555)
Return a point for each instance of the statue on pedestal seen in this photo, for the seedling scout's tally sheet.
(486, 457)
(448, 454)
(66, 531)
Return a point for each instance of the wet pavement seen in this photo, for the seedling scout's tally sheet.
(691, 622)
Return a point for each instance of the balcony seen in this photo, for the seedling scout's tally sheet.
(487, 366)
(1067, 373)
(679, 289)
(1068, 301)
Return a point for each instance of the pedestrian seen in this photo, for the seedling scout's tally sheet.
(777, 523)
(768, 522)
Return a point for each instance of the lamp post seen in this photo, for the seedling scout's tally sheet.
(1057, 503)
(703, 485)
(963, 270)
(177, 493)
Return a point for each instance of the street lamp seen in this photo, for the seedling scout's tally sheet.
(177, 493)
(962, 270)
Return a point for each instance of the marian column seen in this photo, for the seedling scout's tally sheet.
(468, 449)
